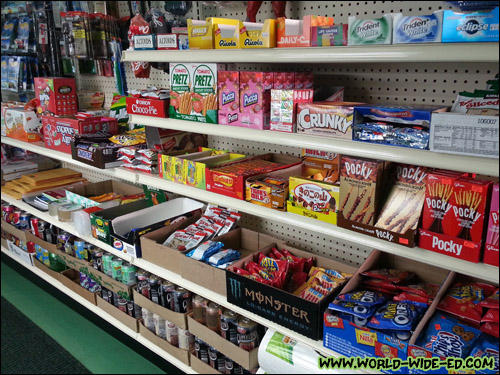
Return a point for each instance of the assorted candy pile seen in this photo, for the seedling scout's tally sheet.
(294, 274)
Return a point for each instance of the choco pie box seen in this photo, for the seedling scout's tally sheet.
(491, 247)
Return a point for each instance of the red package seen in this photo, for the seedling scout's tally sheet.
(296, 264)
(279, 279)
(276, 254)
(308, 264)
(379, 283)
(391, 275)
(491, 302)
(411, 297)
(388, 293)
(241, 272)
(463, 301)
(297, 280)
(255, 268)
(424, 290)
(139, 26)
(492, 315)
(490, 329)
(272, 264)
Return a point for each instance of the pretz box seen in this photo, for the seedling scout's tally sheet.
(57, 95)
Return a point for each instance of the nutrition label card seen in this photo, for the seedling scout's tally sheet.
(466, 135)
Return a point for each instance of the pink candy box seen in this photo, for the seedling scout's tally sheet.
(255, 99)
(229, 97)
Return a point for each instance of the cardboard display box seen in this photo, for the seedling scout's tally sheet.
(73, 262)
(326, 36)
(20, 253)
(201, 367)
(155, 252)
(128, 229)
(248, 360)
(348, 339)
(297, 33)
(71, 278)
(99, 157)
(115, 312)
(79, 194)
(180, 320)
(42, 267)
(277, 305)
(147, 106)
(320, 165)
(181, 354)
(244, 240)
(23, 125)
(123, 290)
(57, 95)
(9, 228)
(232, 184)
(200, 33)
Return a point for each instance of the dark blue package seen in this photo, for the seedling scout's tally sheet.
(448, 337)
(361, 311)
(400, 335)
(360, 322)
(9, 31)
(486, 347)
(396, 316)
(363, 297)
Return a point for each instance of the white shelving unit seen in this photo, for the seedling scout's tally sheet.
(403, 53)
(101, 313)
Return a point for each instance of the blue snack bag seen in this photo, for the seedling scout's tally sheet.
(400, 335)
(486, 347)
(360, 322)
(224, 257)
(448, 337)
(361, 311)
(205, 250)
(396, 316)
(363, 297)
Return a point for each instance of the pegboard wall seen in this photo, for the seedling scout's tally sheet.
(389, 83)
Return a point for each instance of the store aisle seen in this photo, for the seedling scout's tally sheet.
(97, 350)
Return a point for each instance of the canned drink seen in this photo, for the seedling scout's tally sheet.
(201, 350)
(182, 300)
(94, 286)
(186, 339)
(107, 295)
(42, 226)
(54, 231)
(15, 218)
(160, 326)
(47, 234)
(97, 259)
(79, 247)
(154, 288)
(45, 257)
(248, 336)
(228, 326)
(84, 280)
(116, 268)
(213, 316)
(147, 315)
(106, 264)
(39, 253)
(55, 263)
(166, 294)
(200, 309)
(34, 226)
(68, 245)
(31, 247)
(216, 359)
(128, 273)
(61, 240)
(7, 210)
(133, 310)
(229, 364)
(24, 221)
(172, 333)
(137, 311)
(122, 304)
(142, 282)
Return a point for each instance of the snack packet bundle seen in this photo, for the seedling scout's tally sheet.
(479, 102)
(489, 321)
(151, 93)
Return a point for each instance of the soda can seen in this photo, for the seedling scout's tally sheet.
(147, 315)
(122, 304)
(34, 226)
(79, 247)
(39, 253)
(230, 366)
(54, 231)
(31, 247)
(24, 221)
(137, 311)
(61, 240)
(213, 316)
(201, 350)
(248, 336)
(97, 259)
(42, 226)
(228, 326)
(128, 273)
(186, 339)
(130, 309)
(116, 268)
(94, 286)
(166, 294)
(216, 359)
(160, 326)
(142, 282)
(84, 280)
(68, 245)
(200, 309)
(15, 218)
(182, 300)
(7, 210)
(106, 264)
(154, 288)
(172, 333)
(45, 257)
(107, 295)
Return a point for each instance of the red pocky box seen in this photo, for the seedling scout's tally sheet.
(469, 204)
(491, 247)
(304, 80)
(255, 100)
(283, 80)
(229, 97)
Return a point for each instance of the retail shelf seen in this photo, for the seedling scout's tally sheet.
(99, 312)
(436, 52)
(488, 166)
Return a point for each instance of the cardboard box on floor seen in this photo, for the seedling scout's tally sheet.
(71, 279)
(278, 305)
(348, 339)
(244, 240)
(115, 312)
(248, 360)
(123, 290)
(417, 351)
(79, 194)
(179, 319)
(181, 354)
(201, 367)
(155, 252)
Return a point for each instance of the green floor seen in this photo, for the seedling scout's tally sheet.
(96, 349)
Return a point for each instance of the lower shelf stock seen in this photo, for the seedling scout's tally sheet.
(99, 312)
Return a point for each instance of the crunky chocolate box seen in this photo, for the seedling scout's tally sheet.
(491, 246)
(326, 118)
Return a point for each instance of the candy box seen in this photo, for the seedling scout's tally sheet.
(258, 35)
(255, 99)
(304, 81)
(325, 36)
(491, 246)
(279, 306)
(326, 119)
(283, 80)
(297, 33)
(229, 97)
(59, 131)
(56, 95)
(230, 179)
(370, 31)
(147, 106)
(167, 41)
(347, 338)
(314, 199)
(284, 108)
(227, 33)
(417, 29)
(470, 27)
(22, 124)
(90, 100)
(200, 34)
(320, 165)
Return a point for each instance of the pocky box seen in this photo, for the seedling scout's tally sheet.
(283, 80)
(360, 189)
(229, 97)
(255, 99)
(370, 31)
(491, 247)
